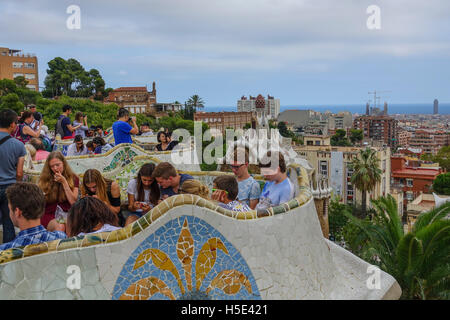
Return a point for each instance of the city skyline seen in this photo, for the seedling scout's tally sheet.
(302, 52)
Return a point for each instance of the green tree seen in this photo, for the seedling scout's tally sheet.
(443, 158)
(21, 82)
(337, 219)
(340, 139)
(11, 101)
(196, 102)
(356, 135)
(419, 260)
(441, 185)
(247, 126)
(366, 174)
(68, 77)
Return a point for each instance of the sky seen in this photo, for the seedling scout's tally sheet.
(303, 52)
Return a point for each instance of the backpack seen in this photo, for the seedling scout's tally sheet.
(59, 129)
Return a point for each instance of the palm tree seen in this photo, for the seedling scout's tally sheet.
(196, 102)
(366, 174)
(418, 260)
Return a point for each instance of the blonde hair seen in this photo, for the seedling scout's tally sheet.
(31, 150)
(54, 191)
(195, 187)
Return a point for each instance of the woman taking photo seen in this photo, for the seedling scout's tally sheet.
(106, 190)
(90, 215)
(165, 142)
(80, 122)
(60, 186)
(143, 193)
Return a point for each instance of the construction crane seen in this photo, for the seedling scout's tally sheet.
(375, 97)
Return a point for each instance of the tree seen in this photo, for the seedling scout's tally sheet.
(11, 101)
(196, 102)
(418, 260)
(356, 135)
(21, 82)
(340, 139)
(247, 126)
(441, 185)
(70, 78)
(366, 174)
(443, 158)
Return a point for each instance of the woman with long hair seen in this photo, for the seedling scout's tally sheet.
(143, 193)
(60, 186)
(80, 122)
(90, 215)
(108, 191)
(100, 145)
(24, 132)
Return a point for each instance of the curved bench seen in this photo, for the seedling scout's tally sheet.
(190, 248)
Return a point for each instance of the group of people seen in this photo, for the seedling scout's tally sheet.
(59, 206)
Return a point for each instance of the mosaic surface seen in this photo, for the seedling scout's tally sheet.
(186, 259)
(121, 158)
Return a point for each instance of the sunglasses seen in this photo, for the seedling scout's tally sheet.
(235, 167)
(214, 190)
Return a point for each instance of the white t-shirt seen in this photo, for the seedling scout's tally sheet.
(132, 189)
(72, 150)
(105, 228)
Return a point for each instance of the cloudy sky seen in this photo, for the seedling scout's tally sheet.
(304, 52)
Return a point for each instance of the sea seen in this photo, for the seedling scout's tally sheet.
(404, 108)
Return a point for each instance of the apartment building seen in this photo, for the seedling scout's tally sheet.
(334, 163)
(430, 141)
(270, 107)
(14, 63)
(378, 128)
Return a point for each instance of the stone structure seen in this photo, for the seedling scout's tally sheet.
(189, 248)
(13, 64)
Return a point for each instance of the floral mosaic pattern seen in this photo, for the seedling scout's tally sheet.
(185, 259)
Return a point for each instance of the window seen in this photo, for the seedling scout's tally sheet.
(30, 76)
(409, 182)
(17, 75)
(309, 143)
(409, 196)
(29, 65)
(17, 64)
(317, 143)
(323, 168)
(31, 87)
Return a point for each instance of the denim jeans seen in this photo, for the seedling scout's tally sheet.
(9, 234)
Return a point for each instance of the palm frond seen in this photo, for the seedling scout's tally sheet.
(429, 217)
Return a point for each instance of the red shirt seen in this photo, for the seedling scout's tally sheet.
(50, 208)
(41, 155)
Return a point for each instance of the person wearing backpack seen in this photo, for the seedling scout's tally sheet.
(12, 158)
(64, 127)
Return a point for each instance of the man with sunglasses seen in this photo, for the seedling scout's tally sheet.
(249, 189)
(77, 148)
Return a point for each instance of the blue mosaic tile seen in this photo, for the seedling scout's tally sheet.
(165, 239)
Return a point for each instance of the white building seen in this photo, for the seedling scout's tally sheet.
(270, 106)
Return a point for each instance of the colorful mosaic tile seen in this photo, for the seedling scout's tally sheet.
(186, 259)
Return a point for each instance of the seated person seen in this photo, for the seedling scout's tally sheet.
(249, 189)
(25, 213)
(90, 147)
(278, 189)
(168, 179)
(41, 153)
(145, 130)
(99, 131)
(195, 187)
(60, 185)
(77, 148)
(108, 191)
(165, 142)
(30, 156)
(90, 215)
(143, 193)
(225, 191)
(100, 146)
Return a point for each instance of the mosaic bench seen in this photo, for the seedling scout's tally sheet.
(107, 163)
(190, 248)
